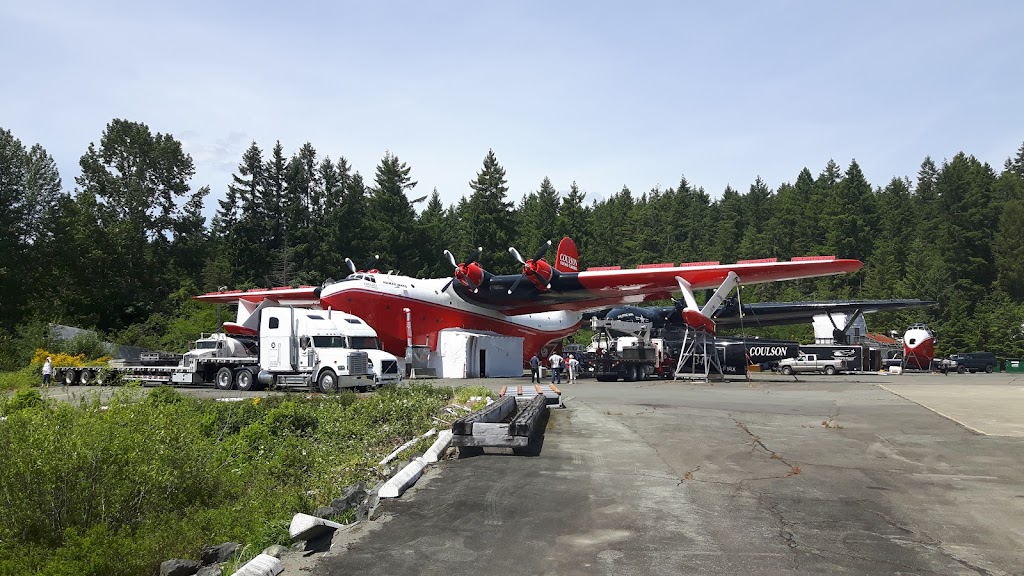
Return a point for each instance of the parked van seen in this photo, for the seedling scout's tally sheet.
(973, 362)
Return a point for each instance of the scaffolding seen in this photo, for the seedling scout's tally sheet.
(699, 350)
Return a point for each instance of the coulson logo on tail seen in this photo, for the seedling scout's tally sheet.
(768, 351)
(568, 262)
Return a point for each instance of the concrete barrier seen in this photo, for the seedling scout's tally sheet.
(433, 454)
(306, 527)
(405, 478)
(262, 565)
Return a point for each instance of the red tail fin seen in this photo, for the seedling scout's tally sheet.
(567, 258)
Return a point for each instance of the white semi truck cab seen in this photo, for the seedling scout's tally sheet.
(322, 349)
(360, 336)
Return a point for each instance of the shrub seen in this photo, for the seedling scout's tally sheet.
(23, 400)
(159, 475)
(24, 378)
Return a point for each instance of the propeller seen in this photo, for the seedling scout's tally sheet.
(352, 265)
(531, 267)
(841, 336)
(462, 270)
(700, 318)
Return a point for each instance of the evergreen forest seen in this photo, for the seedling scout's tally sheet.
(124, 247)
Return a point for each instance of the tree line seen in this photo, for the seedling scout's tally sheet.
(130, 242)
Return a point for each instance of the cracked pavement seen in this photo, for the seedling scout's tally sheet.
(821, 475)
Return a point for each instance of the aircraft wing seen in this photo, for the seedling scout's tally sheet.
(597, 289)
(301, 296)
(779, 313)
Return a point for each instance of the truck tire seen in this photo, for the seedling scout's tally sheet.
(961, 370)
(244, 379)
(787, 370)
(989, 368)
(225, 379)
(327, 382)
(629, 373)
(830, 370)
(85, 377)
(70, 377)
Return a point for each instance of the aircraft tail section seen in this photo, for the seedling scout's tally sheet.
(567, 258)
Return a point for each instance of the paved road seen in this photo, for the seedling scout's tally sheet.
(824, 475)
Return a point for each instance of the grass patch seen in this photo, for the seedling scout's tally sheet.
(25, 378)
(158, 474)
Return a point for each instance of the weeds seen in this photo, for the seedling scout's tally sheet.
(161, 474)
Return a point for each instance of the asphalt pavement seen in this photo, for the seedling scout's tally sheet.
(842, 474)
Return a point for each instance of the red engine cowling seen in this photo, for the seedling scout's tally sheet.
(539, 273)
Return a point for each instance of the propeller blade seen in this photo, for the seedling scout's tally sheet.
(829, 314)
(351, 265)
(445, 289)
(451, 259)
(684, 287)
(471, 259)
(515, 254)
(715, 300)
(373, 260)
(516, 283)
(543, 250)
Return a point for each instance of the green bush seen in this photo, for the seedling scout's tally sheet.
(25, 399)
(92, 490)
(27, 377)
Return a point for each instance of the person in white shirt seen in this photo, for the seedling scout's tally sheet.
(574, 368)
(47, 371)
(555, 362)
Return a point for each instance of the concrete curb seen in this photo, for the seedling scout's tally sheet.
(262, 565)
(433, 454)
(306, 527)
(405, 478)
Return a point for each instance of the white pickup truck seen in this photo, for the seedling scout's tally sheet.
(810, 363)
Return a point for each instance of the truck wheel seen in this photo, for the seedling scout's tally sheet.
(244, 379)
(830, 370)
(225, 379)
(327, 382)
(787, 370)
(989, 368)
(70, 377)
(961, 370)
(85, 378)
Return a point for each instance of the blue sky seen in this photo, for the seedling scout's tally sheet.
(604, 93)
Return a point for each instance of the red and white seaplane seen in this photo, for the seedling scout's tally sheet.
(541, 304)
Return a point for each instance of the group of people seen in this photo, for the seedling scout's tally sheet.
(556, 363)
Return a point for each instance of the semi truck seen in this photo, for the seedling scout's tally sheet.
(291, 348)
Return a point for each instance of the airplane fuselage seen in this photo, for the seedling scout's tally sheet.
(381, 300)
(918, 347)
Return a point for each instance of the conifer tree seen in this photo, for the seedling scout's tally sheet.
(392, 217)
(488, 220)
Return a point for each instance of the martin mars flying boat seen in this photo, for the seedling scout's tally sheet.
(541, 304)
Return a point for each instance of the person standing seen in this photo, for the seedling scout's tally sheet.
(555, 362)
(574, 368)
(47, 372)
(535, 370)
